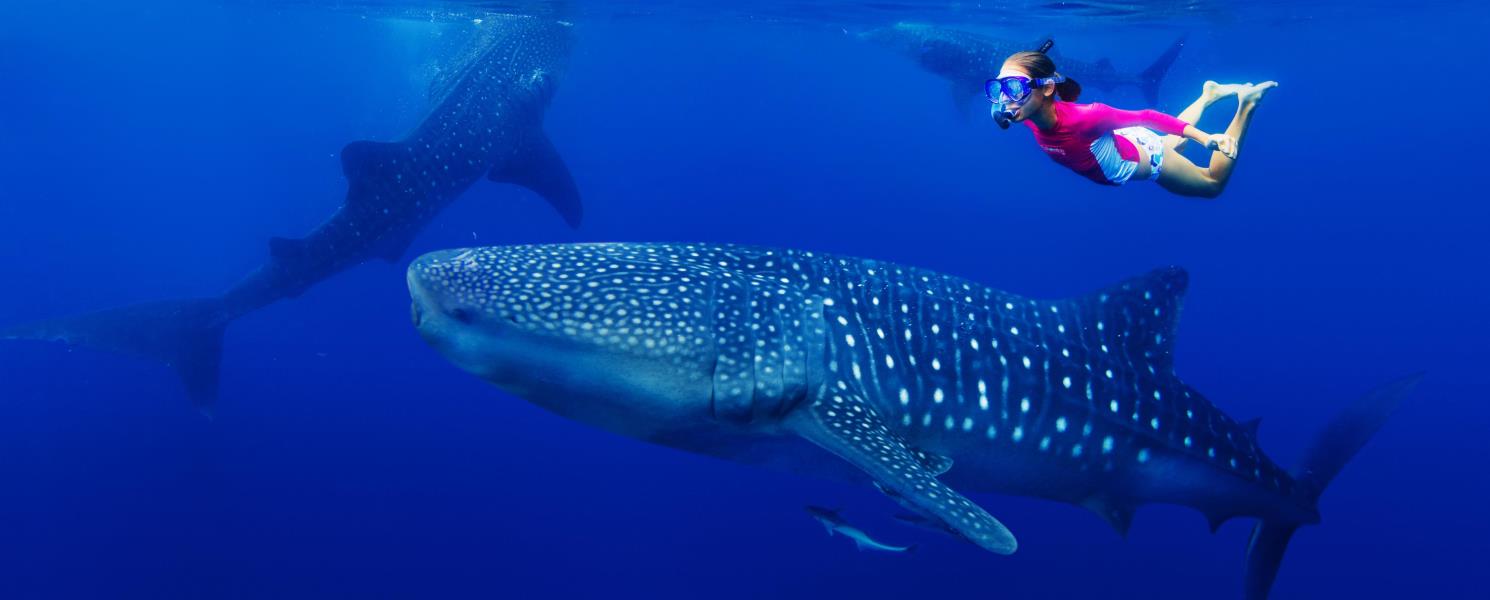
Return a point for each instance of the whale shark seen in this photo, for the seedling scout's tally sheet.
(919, 383)
(485, 121)
(967, 59)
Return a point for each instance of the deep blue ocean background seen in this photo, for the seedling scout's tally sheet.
(148, 150)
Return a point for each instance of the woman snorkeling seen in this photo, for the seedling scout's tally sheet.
(1111, 146)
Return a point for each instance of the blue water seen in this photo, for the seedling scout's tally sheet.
(148, 150)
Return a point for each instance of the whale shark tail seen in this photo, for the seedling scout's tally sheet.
(1335, 446)
(1150, 78)
(184, 334)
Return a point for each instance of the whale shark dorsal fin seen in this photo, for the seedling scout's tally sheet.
(851, 429)
(1252, 426)
(363, 157)
(1138, 317)
(536, 165)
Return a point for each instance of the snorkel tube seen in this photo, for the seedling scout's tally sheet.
(1002, 114)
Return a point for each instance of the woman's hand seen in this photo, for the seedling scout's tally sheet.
(1222, 143)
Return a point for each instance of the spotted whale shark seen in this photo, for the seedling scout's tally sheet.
(917, 382)
(967, 59)
(485, 121)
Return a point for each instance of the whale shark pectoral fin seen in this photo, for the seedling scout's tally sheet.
(851, 429)
(538, 167)
(962, 101)
(935, 463)
(917, 520)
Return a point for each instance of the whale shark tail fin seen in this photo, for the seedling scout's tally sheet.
(1150, 78)
(184, 334)
(1335, 446)
(538, 167)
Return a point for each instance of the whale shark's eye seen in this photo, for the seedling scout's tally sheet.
(462, 315)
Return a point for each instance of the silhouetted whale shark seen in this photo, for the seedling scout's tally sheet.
(914, 380)
(486, 120)
(967, 59)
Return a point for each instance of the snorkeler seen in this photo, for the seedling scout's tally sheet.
(1111, 146)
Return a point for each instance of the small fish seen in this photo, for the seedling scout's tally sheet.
(835, 524)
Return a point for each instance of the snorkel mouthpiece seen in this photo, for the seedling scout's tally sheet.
(1002, 116)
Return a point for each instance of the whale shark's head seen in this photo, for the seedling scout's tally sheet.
(615, 335)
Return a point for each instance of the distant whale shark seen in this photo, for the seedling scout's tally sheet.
(486, 120)
(909, 379)
(968, 59)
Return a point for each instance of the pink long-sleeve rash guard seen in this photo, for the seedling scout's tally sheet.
(1078, 126)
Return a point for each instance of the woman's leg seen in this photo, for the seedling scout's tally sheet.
(1209, 94)
(1186, 179)
(1247, 99)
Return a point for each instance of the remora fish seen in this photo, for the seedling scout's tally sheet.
(835, 524)
(968, 59)
(486, 121)
(913, 380)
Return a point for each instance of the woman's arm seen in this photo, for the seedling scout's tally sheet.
(1219, 142)
(1109, 118)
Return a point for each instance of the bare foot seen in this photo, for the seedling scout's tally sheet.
(1250, 95)
(1215, 91)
